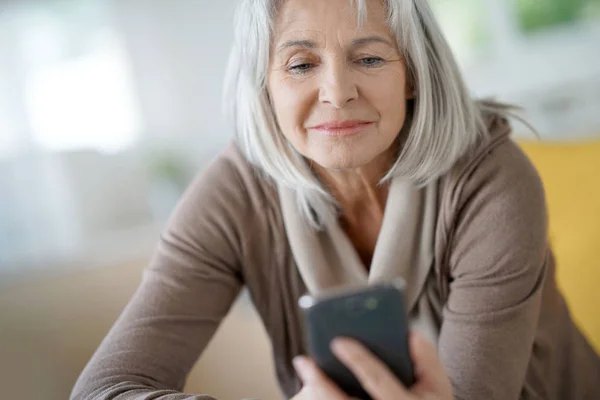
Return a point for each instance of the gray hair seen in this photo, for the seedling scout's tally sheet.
(445, 121)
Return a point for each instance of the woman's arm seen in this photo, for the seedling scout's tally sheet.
(498, 263)
(186, 291)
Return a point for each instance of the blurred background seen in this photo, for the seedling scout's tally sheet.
(109, 107)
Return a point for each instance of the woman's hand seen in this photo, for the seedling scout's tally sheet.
(315, 384)
(431, 380)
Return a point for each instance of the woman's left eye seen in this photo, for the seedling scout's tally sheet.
(371, 61)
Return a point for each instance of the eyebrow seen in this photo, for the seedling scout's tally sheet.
(371, 39)
(309, 44)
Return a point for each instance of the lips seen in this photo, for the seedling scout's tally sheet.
(342, 128)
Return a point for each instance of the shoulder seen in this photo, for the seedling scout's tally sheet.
(498, 166)
(225, 199)
(231, 181)
(494, 200)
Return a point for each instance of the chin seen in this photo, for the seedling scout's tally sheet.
(341, 161)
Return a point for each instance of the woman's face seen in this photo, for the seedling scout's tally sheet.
(339, 92)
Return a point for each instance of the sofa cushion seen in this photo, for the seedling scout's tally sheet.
(571, 176)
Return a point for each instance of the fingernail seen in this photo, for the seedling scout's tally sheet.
(338, 345)
(300, 365)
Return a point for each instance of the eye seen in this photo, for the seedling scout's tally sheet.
(370, 61)
(300, 68)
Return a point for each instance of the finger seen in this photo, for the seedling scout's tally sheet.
(316, 383)
(374, 376)
(429, 371)
(424, 355)
(306, 369)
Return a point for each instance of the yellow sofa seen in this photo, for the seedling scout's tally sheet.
(571, 176)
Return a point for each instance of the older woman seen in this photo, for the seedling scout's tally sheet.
(359, 157)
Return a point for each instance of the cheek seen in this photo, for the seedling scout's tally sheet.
(395, 110)
(388, 95)
(291, 103)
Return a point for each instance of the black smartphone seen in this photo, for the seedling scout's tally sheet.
(373, 315)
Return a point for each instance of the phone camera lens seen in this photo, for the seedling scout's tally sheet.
(371, 303)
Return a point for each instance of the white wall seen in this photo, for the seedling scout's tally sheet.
(178, 51)
(554, 76)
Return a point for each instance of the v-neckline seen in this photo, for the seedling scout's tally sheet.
(404, 249)
(400, 212)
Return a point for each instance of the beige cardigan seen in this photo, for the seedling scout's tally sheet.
(505, 332)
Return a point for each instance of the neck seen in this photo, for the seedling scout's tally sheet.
(358, 190)
(362, 200)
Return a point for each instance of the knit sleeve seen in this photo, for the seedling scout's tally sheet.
(498, 261)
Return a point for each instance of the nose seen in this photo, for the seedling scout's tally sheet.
(337, 86)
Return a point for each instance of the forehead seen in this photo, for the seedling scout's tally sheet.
(318, 19)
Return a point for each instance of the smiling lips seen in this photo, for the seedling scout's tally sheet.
(342, 128)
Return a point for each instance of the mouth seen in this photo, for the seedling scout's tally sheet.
(342, 128)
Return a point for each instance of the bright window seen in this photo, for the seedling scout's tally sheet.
(68, 81)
